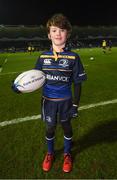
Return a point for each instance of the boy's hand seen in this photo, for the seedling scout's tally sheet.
(14, 88)
(74, 111)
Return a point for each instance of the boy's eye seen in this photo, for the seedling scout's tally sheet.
(62, 30)
(53, 30)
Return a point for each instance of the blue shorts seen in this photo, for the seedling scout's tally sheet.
(56, 111)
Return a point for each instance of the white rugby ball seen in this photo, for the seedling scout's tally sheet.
(29, 81)
(91, 58)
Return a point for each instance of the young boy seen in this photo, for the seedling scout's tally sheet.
(62, 67)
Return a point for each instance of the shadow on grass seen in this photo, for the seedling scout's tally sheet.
(103, 133)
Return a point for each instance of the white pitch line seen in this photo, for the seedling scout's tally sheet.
(19, 120)
(98, 104)
(35, 117)
(1, 69)
(5, 61)
(9, 73)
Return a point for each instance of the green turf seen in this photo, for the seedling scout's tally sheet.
(22, 145)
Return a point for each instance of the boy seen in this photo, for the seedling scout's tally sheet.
(62, 67)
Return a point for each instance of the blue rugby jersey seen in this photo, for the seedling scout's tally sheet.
(61, 70)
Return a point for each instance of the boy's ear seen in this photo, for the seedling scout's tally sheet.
(68, 35)
(49, 36)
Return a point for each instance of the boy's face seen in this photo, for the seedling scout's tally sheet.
(58, 36)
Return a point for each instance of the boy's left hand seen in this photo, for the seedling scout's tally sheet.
(14, 88)
(74, 111)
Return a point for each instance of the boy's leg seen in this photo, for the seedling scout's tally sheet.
(48, 160)
(50, 135)
(65, 120)
(67, 128)
(49, 116)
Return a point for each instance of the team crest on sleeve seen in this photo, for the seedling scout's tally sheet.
(63, 63)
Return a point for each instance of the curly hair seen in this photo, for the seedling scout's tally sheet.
(59, 20)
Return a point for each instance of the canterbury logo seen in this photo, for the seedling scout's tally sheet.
(47, 61)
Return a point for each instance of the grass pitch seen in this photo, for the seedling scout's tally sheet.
(22, 145)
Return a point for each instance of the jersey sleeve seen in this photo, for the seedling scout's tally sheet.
(79, 73)
(38, 64)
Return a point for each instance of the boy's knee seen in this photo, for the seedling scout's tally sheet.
(67, 128)
(50, 131)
